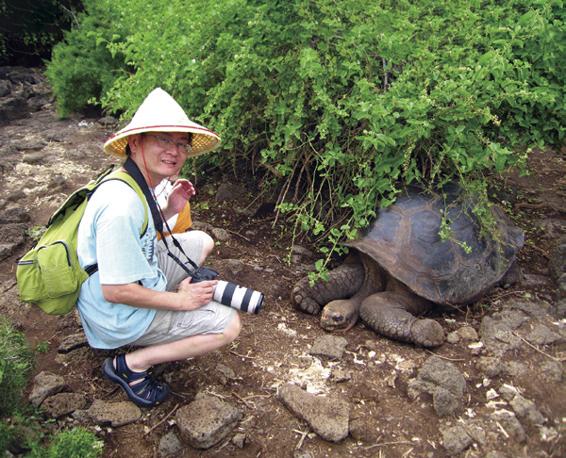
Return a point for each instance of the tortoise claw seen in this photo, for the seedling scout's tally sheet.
(427, 333)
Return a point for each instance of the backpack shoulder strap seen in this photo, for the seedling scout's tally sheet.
(123, 176)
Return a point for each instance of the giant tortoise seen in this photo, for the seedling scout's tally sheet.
(401, 266)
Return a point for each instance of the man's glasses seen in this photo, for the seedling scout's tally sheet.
(167, 143)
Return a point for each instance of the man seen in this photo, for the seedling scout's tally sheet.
(140, 296)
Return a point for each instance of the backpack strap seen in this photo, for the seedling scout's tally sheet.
(125, 177)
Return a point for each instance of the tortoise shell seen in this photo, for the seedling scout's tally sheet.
(405, 241)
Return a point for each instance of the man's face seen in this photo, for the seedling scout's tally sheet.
(164, 153)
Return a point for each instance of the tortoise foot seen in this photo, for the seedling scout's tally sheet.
(305, 304)
(427, 333)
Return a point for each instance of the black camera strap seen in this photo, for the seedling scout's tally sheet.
(158, 219)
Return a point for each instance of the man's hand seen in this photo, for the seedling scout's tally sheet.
(182, 191)
(195, 295)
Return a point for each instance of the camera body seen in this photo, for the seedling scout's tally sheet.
(203, 274)
(230, 294)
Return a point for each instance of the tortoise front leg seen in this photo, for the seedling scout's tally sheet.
(343, 282)
(391, 315)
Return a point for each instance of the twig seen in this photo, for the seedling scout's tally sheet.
(534, 347)
(444, 357)
(110, 393)
(242, 356)
(239, 235)
(179, 395)
(163, 419)
(303, 434)
(219, 396)
(237, 396)
(505, 433)
(540, 250)
(383, 444)
(14, 283)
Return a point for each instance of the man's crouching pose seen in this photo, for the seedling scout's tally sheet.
(140, 296)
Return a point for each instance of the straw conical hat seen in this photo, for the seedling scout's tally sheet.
(159, 112)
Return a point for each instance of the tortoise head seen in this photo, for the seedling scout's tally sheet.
(340, 314)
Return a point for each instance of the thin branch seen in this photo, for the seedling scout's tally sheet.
(534, 347)
(444, 357)
(383, 444)
(162, 420)
(237, 396)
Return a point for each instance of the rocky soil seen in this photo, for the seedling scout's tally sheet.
(286, 387)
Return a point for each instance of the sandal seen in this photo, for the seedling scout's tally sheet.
(146, 393)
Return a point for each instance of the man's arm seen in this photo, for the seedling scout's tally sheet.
(189, 296)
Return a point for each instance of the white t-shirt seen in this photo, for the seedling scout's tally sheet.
(109, 235)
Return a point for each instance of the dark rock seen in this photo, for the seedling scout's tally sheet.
(30, 145)
(510, 424)
(551, 371)
(443, 381)
(467, 333)
(226, 373)
(206, 421)
(455, 439)
(233, 267)
(46, 384)
(36, 157)
(63, 404)
(508, 392)
(536, 281)
(72, 342)
(339, 375)
(515, 368)
(541, 335)
(107, 121)
(534, 308)
(114, 413)
(170, 445)
(302, 251)
(557, 261)
(220, 234)
(37, 102)
(362, 428)
(239, 440)
(14, 215)
(7, 249)
(329, 346)
(497, 330)
(327, 416)
(228, 191)
(13, 107)
(5, 88)
(525, 408)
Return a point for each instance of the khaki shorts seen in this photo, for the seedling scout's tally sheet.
(168, 326)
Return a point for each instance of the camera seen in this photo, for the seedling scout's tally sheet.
(230, 294)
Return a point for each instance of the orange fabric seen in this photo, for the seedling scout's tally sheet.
(184, 221)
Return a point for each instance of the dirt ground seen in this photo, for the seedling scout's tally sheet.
(273, 346)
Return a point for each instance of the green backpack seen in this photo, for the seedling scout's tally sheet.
(49, 275)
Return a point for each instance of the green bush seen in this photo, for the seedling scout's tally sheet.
(15, 365)
(339, 103)
(82, 67)
(5, 436)
(74, 443)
